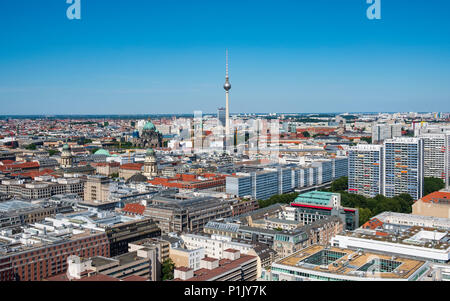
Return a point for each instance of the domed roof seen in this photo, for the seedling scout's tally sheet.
(150, 152)
(65, 147)
(102, 152)
(137, 178)
(149, 126)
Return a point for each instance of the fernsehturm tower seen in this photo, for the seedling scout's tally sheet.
(227, 88)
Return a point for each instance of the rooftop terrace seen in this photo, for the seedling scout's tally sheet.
(352, 263)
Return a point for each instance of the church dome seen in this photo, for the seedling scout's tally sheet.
(150, 152)
(102, 152)
(149, 126)
(65, 147)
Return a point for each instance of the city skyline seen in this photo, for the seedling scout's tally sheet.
(321, 56)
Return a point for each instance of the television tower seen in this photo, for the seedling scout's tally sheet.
(227, 87)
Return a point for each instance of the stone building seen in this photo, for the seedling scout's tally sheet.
(149, 137)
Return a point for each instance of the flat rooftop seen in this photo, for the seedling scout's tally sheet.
(352, 263)
(418, 236)
(315, 197)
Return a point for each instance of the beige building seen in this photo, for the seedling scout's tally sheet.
(187, 258)
(126, 171)
(160, 247)
(107, 169)
(96, 188)
(436, 204)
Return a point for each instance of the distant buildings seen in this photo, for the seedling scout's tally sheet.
(221, 116)
(263, 184)
(41, 187)
(381, 132)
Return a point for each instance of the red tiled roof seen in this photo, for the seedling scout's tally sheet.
(132, 166)
(17, 166)
(135, 278)
(6, 162)
(98, 277)
(210, 259)
(34, 174)
(372, 224)
(436, 196)
(134, 208)
(183, 269)
(232, 250)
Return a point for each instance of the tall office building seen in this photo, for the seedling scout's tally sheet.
(435, 150)
(365, 170)
(381, 132)
(221, 116)
(403, 167)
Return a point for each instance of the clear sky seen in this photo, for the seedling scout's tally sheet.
(168, 56)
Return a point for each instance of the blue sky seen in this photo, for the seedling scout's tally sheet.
(146, 56)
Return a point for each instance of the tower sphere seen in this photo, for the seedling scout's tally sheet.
(227, 86)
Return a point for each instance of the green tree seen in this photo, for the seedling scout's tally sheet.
(306, 134)
(367, 139)
(364, 215)
(31, 146)
(52, 152)
(340, 184)
(280, 198)
(432, 185)
(167, 269)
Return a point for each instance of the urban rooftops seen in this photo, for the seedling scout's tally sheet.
(352, 263)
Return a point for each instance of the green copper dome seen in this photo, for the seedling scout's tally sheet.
(102, 152)
(150, 152)
(65, 147)
(149, 126)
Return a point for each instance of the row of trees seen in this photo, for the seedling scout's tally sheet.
(369, 207)
(281, 198)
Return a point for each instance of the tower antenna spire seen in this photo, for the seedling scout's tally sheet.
(227, 63)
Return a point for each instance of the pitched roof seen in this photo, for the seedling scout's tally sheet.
(135, 278)
(132, 166)
(373, 224)
(436, 197)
